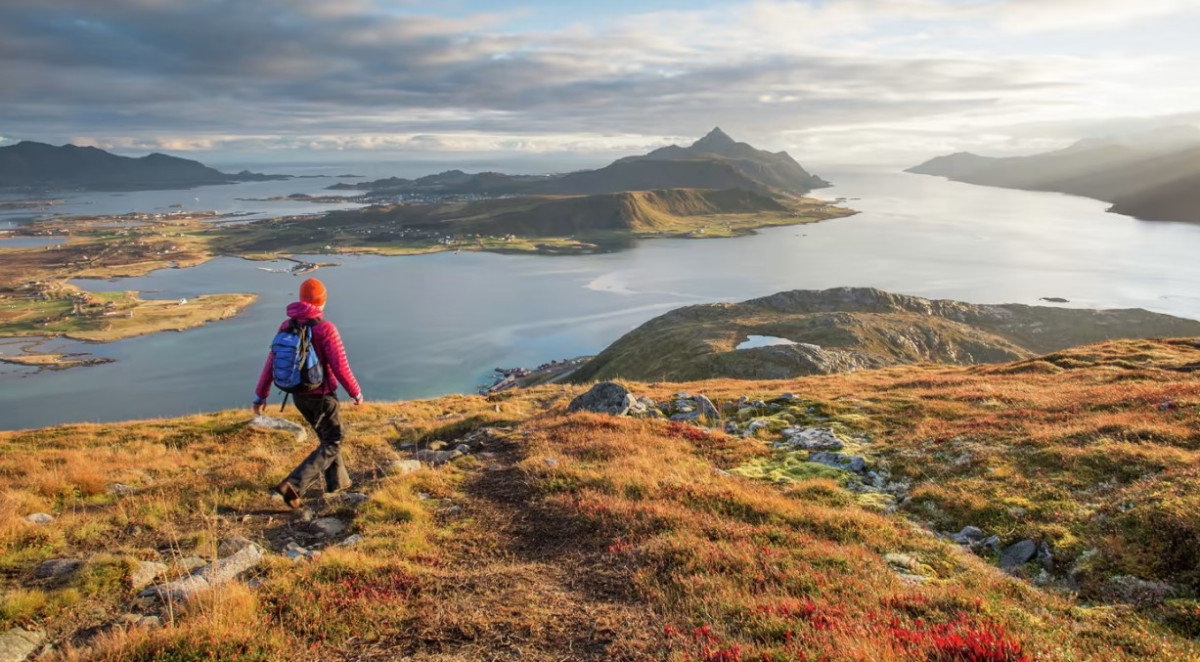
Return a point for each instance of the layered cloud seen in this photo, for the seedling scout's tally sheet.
(361, 75)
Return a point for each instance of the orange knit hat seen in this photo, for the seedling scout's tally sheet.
(313, 291)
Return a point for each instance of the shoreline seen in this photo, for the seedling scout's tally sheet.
(37, 299)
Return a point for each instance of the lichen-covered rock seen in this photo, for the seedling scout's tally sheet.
(707, 408)
(604, 398)
(40, 519)
(18, 644)
(223, 571)
(145, 572)
(851, 463)
(57, 568)
(1139, 592)
(812, 439)
(232, 545)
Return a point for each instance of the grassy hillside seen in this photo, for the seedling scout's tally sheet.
(591, 537)
(1151, 184)
(532, 223)
(844, 329)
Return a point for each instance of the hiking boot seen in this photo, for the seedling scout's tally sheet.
(289, 494)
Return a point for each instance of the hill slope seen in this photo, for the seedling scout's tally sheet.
(589, 537)
(32, 164)
(846, 329)
(1148, 182)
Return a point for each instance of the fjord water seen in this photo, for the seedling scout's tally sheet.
(423, 326)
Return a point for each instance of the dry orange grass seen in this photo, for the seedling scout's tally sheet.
(588, 537)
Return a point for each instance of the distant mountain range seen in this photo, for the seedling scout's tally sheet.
(716, 161)
(847, 329)
(1155, 176)
(38, 165)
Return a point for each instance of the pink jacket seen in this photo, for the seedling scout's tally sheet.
(328, 343)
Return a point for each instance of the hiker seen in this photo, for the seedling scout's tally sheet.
(313, 387)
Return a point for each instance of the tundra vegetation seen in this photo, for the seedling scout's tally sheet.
(591, 536)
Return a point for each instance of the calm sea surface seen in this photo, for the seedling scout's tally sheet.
(422, 326)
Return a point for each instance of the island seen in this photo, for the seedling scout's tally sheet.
(716, 187)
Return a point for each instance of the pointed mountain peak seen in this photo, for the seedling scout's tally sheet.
(715, 138)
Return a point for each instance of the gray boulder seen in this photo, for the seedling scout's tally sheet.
(19, 644)
(57, 568)
(40, 519)
(145, 573)
(852, 463)
(1018, 554)
(707, 408)
(604, 398)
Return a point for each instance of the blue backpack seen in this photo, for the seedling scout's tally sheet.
(296, 368)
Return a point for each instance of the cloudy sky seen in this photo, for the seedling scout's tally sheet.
(828, 80)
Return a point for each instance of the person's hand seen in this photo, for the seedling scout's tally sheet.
(358, 400)
(258, 408)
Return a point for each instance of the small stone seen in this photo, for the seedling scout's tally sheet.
(404, 466)
(1045, 557)
(438, 446)
(788, 397)
(1018, 554)
(232, 545)
(352, 541)
(971, 533)
(604, 398)
(145, 573)
(463, 448)
(149, 622)
(731, 427)
(57, 568)
(306, 515)
(119, 489)
(551, 462)
(296, 552)
(754, 426)
(41, 519)
(18, 644)
(327, 526)
(353, 499)
(437, 458)
(453, 511)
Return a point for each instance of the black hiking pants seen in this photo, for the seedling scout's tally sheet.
(325, 463)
